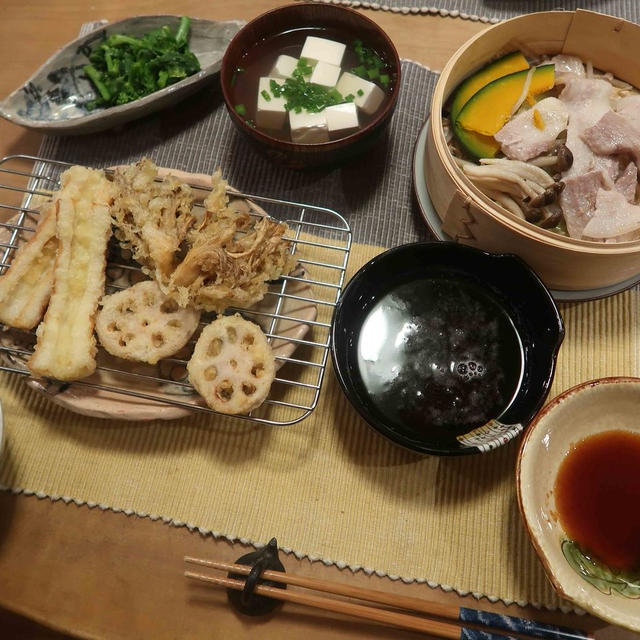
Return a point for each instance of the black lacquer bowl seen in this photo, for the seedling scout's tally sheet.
(446, 349)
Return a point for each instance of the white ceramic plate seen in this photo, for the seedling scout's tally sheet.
(85, 398)
(589, 408)
(51, 99)
(434, 223)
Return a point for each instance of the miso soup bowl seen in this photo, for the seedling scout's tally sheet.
(468, 216)
(517, 292)
(298, 16)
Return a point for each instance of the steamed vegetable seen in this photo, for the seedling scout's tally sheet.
(124, 68)
(510, 63)
(487, 110)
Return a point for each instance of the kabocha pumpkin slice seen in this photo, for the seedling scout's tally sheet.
(475, 144)
(506, 65)
(488, 109)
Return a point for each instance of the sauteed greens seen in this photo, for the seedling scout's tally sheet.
(124, 68)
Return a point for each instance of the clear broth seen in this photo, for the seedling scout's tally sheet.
(259, 60)
(440, 355)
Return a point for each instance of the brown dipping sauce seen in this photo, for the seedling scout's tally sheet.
(597, 495)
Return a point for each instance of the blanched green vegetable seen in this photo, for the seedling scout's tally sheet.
(124, 68)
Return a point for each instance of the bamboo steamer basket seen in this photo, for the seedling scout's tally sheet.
(470, 217)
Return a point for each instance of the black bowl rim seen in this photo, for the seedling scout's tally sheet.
(339, 366)
(319, 146)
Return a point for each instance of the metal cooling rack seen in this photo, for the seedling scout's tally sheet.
(312, 230)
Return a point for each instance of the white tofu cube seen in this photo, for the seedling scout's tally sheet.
(371, 94)
(321, 49)
(271, 113)
(284, 67)
(341, 119)
(308, 128)
(325, 74)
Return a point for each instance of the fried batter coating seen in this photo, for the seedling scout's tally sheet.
(141, 324)
(151, 217)
(232, 366)
(66, 346)
(232, 257)
(25, 289)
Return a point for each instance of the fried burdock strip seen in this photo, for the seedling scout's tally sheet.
(66, 346)
(26, 287)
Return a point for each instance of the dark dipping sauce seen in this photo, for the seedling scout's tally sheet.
(258, 61)
(440, 355)
(597, 496)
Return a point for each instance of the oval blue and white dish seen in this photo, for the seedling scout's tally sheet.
(53, 99)
(446, 349)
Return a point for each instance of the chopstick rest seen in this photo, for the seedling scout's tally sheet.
(247, 601)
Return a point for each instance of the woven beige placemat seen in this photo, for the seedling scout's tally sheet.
(329, 488)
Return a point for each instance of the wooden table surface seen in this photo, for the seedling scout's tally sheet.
(98, 574)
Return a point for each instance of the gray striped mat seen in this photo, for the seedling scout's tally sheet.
(496, 10)
(374, 192)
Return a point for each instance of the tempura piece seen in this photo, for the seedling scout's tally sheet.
(232, 366)
(232, 257)
(66, 346)
(151, 217)
(140, 323)
(26, 287)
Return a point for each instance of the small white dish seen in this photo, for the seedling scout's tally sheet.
(587, 409)
(52, 99)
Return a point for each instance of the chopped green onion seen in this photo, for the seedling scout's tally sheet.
(360, 93)
(241, 110)
(234, 77)
(265, 95)
(349, 98)
(371, 64)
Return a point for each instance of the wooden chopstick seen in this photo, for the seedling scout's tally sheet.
(393, 618)
(460, 616)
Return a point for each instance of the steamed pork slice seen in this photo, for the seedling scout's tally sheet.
(26, 287)
(578, 199)
(66, 346)
(613, 134)
(534, 131)
(628, 106)
(567, 68)
(627, 182)
(613, 217)
(587, 100)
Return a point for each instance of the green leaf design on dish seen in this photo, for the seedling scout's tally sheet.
(604, 579)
